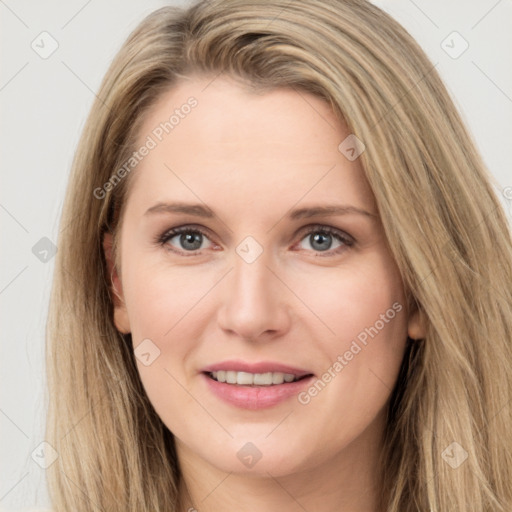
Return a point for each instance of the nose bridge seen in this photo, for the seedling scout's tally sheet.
(251, 281)
(254, 302)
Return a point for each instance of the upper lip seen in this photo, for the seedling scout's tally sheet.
(261, 367)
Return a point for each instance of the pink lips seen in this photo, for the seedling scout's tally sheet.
(255, 397)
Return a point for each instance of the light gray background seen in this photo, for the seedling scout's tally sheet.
(44, 103)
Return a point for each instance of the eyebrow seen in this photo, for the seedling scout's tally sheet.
(200, 210)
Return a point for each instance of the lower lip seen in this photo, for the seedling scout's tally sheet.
(256, 397)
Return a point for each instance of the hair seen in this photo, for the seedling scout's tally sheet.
(443, 221)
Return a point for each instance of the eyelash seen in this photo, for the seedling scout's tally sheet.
(347, 240)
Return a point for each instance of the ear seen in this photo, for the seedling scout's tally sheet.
(417, 325)
(121, 320)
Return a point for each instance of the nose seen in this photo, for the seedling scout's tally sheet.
(255, 305)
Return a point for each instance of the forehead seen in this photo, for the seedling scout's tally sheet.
(217, 136)
(228, 113)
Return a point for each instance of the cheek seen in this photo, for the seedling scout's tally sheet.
(364, 332)
(167, 305)
(163, 305)
(366, 310)
(161, 299)
(353, 299)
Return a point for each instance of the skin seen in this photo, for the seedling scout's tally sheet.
(251, 159)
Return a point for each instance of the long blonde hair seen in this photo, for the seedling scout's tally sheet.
(443, 221)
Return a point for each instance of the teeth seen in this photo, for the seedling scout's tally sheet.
(250, 379)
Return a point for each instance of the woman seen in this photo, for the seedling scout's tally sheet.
(285, 277)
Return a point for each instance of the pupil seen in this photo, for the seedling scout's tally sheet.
(190, 238)
(320, 239)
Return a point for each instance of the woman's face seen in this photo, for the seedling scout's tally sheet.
(281, 267)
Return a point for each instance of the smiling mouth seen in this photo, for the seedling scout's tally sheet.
(254, 379)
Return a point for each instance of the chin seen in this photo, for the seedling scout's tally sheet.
(258, 459)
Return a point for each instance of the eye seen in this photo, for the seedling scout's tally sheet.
(322, 238)
(190, 239)
(184, 239)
